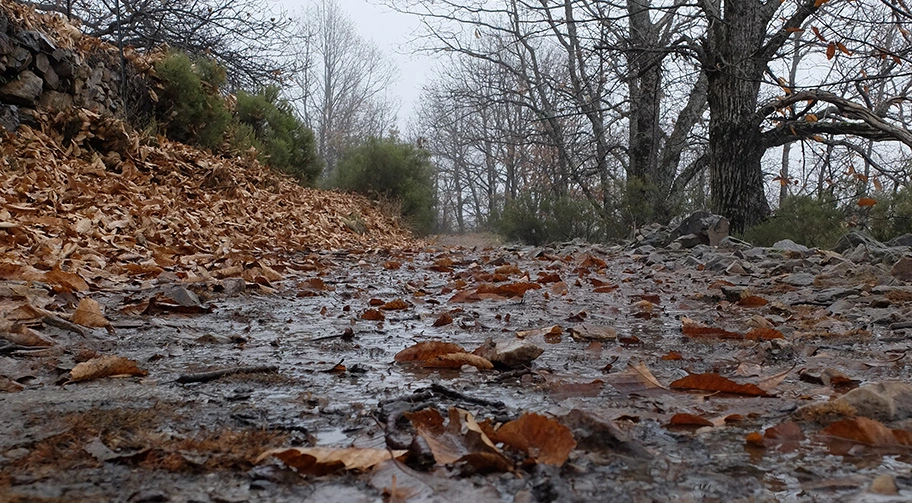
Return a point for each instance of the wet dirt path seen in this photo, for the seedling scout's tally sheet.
(629, 323)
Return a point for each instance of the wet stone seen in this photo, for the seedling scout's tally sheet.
(884, 401)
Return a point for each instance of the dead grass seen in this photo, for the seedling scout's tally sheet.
(136, 433)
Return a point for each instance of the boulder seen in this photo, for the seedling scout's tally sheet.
(710, 229)
(23, 90)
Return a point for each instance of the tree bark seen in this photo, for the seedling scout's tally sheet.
(734, 70)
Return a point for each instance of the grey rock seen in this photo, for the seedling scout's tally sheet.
(9, 117)
(233, 286)
(47, 71)
(24, 90)
(718, 262)
(798, 279)
(853, 239)
(789, 245)
(732, 243)
(884, 401)
(511, 353)
(688, 240)
(590, 332)
(904, 240)
(709, 228)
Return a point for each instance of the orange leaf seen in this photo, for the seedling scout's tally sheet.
(457, 360)
(427, 350)
(831, 50)
(684, 419)
(861, 430)
(716, 383)
(817, 33)
(810, 118)
(543, 439)
(672, 355)
(373, 315)
(794, 29)
(818, 3)
(395, 304)
(752, 301)
(843, 49)
(866, 202)
(444, 319)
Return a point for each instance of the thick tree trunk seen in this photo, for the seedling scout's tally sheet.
(734, 71)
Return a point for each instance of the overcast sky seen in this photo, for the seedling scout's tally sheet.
(390, 32)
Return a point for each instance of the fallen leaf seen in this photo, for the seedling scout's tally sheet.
(373, 315)
(444, 319)
(840, 435)
(688, 420)
(716, 383)
(65, 281)
(325, 460)
(88, 314)
(105, 366)
(395, 305)
(427, 350)
(543, 439)
(457, 360)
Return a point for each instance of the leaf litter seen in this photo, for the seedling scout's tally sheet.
(227, 323)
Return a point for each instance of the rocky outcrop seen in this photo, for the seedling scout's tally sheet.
(47, 66)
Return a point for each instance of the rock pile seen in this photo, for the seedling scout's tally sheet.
(47, 64)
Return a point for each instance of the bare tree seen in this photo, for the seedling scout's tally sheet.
(247, 37)
(342, 90)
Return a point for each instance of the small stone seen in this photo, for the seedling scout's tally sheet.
(735, 268)
(884, 401)
(511, 353)
(902, 269)
(590, 332)
(884, 484)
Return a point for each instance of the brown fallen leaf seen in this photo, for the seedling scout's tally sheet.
(785, 437)
(542, 439)
(427, 350)
(460, 440)
(443, 320)
(105, 366)
(695, 329)
(842, 436)
(716, 383)
(395, 305)
(686, 420)
(325, 460)
(457, 360)
(373, 315)
(88, 314)
(63, 281)
(24, 336)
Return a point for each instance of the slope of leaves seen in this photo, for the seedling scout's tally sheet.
(99, 202)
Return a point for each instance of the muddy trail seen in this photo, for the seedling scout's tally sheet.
(598, 374)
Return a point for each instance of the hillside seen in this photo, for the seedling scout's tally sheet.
(84, 193)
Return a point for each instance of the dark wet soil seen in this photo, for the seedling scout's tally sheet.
(153, 438)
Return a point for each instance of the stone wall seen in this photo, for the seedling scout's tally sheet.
(47, 65)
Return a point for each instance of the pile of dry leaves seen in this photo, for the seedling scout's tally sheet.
(91, 198)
